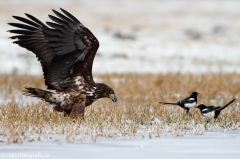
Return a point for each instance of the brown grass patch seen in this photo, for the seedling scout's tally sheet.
(137, 111)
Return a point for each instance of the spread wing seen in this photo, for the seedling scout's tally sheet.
(32, 38)
(65, 50)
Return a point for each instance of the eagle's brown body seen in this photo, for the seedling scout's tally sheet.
(66, 52)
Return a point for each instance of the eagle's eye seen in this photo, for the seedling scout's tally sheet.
(110, 92)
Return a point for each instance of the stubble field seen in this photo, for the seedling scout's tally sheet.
(136, 113)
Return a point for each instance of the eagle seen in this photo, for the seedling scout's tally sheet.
(66, 50)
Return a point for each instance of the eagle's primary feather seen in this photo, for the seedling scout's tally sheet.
(66, 51)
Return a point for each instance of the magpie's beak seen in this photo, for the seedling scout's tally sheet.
(113, 97)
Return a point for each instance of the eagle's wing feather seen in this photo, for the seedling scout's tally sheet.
(32, 39)
(66, 50)
(74, 57)
(85, 68)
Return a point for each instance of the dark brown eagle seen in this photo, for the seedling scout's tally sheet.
(66, 51)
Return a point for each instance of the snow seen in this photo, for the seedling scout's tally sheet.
(211, 145)
(156, 36)
(140, 36)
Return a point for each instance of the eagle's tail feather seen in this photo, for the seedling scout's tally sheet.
(168, 103)
(37, 92)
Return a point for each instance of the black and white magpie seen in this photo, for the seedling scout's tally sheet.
(212, 111)
(186, 103)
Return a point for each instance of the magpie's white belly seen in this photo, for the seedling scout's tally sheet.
(209, 115)
(190, 105)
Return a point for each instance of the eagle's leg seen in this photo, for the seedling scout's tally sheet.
(78, 108)
(67, 113)
(58, 108)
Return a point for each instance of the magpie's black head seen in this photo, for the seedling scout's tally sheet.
(194, 95)
(201, 106)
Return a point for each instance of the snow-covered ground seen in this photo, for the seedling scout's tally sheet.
(217, 145)
(139, 35)
(144, 36)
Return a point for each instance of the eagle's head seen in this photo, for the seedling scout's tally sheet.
(104, 91)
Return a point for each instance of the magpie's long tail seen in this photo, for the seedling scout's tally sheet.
(168, 103)
(226, 105)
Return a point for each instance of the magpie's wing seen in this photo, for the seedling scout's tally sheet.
(65, 50)
(187, 101)
(210, 109)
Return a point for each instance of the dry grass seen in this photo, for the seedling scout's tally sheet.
(137, 112)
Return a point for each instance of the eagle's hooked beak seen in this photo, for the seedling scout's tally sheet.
(113, 97)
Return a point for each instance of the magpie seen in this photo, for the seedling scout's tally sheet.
(212, 111)
(186, 103)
